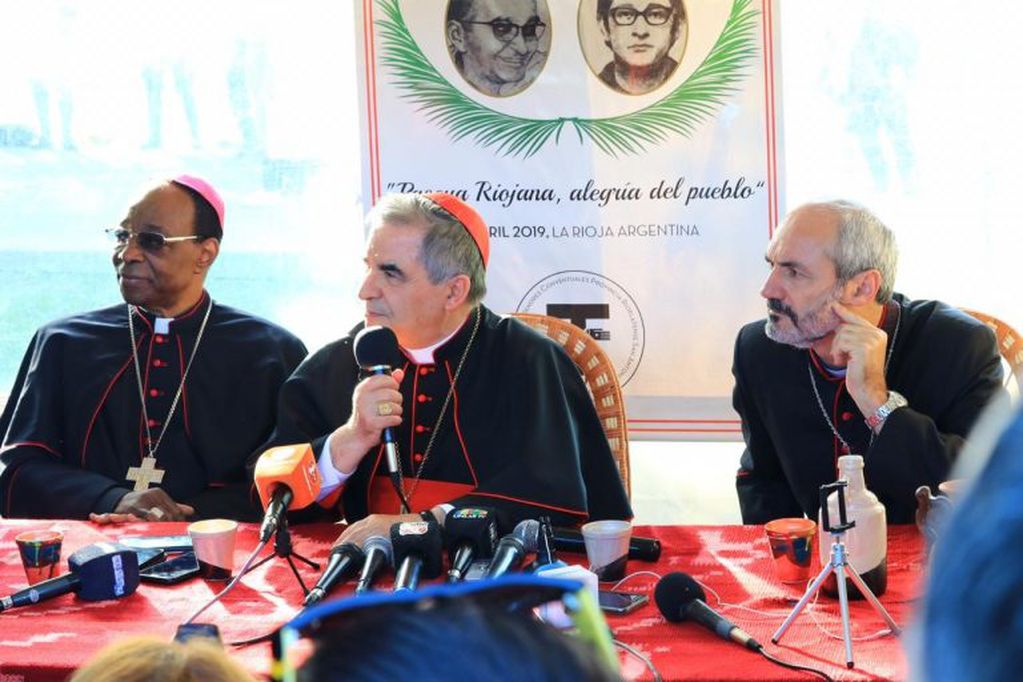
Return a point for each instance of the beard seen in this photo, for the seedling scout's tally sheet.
(806, 329)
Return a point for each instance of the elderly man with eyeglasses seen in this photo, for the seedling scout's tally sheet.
(496, 43)
(167, 389)
(640, 36)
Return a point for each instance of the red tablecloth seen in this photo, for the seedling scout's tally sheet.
(47, 641)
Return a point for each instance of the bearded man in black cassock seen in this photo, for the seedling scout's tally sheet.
(486, 411)
(844, 365)
(172, 388)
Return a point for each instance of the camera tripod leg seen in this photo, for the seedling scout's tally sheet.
(810, 592)
(874, 601)
(843, 605)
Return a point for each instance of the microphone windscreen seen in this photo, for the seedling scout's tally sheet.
(674, 592)
(290, 465)
(381, 544)
(376, 346)
(528, 532)
(418, 538)
(476, 526)
(106, 570)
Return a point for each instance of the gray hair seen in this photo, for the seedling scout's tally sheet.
(447, 248)
(863, 243)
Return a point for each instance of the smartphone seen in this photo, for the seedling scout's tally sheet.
(621, 602)
(148, 557)
(171, 543)
(171, 571)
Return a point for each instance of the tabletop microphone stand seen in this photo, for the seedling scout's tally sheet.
(839, 563)
(283, 549)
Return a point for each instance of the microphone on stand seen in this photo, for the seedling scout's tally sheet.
(514, 547)
(680, 597)
(417, 552)
(379, 556)
(471, 534)
(345, 561)
(376, 349)
(105, 570)
(286, 478)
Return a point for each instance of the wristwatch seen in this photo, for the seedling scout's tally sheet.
(895, 401)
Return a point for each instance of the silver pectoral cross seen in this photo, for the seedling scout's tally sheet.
(145, 475)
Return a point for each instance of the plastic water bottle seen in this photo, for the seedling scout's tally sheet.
(866, 544)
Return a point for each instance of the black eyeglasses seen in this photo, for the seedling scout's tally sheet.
(507, 31)
(653, 15)
(147, 241)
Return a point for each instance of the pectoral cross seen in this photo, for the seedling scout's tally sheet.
(145, 475)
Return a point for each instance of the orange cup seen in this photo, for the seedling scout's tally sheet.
(791, 542)
(40, 553)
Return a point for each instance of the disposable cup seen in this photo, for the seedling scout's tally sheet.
(607, 547)
(213, 540)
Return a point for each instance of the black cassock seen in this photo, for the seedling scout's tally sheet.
(73, 424)
(521, 433)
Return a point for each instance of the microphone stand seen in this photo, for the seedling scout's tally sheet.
(283, 549)
(839, 563)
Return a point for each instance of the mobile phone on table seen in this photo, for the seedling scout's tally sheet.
(620, 602)
(170, 543)
(149, 556)
(173, 570)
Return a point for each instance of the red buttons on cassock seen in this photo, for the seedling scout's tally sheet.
(159, 339)
(422, 397)
(424, 371)
(153, 422)
(418, 457)
(158, 363)
(420, 428)
(846, 416)
(153, 393)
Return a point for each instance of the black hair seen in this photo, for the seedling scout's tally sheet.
(678, 15)
(207, 223)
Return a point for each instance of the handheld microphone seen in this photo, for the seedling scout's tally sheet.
(345, 561)
(417, 552)
(571, 540)
(680, 597)
(105, 570)
(286, 478)
(513, 548)
(471, 534)
(376, 348)
(379, 555)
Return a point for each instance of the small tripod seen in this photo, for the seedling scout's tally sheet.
(282, 548)
(840, 565)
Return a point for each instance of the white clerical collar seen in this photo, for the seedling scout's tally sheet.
(161, 325)
(424, 356)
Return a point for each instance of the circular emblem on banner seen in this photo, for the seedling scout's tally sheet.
(599, 306)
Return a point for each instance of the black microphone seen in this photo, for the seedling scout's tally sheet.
(680, 597)
(417, 552)
(345, 561)
(105, 570)
(571, 540)
(471, 534)
(379, 556)
(513, 548)
(376, 351)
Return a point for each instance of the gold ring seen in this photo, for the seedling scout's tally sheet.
(157, 512)
(384, 408)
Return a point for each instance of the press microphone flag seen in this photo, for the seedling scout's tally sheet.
(105, 570)
(471, 534)
(417, 552)
(344, 562)
(286, 478)
(680, 597)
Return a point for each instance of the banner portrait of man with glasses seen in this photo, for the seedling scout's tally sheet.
(499, 46)
(646, 40)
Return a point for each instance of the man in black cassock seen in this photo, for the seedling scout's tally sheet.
(486, 411)
(843, 365)
(170, 389)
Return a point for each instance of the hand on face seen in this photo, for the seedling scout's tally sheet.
(374, 524)
(376, 405)
(860, 346)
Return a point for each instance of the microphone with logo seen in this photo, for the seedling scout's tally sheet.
(105, 570)
(417, 552)
(345, 561)
(379, 556)
(680, 597)
(376, 351)
(286, 478)
(513, 548)
(471, 534)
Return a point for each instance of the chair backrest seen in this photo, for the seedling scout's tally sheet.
(601, 380)
(1010, 345)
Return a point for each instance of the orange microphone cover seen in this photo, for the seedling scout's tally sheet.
(290, 465)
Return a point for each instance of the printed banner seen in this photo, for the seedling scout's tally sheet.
(623, 153)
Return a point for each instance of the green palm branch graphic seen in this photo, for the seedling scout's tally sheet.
(679, 112)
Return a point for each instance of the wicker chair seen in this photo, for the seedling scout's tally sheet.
(1010, 345)
(601, 380)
